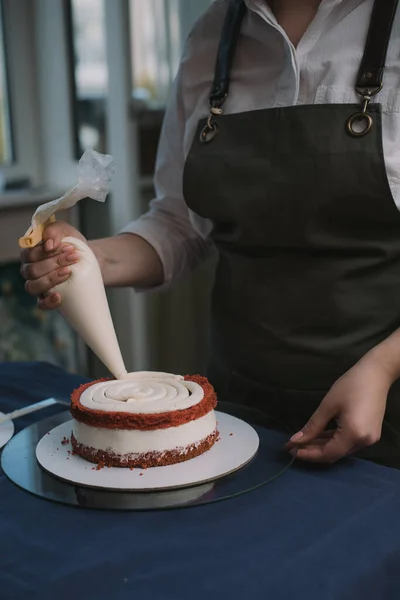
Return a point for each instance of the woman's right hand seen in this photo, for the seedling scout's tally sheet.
(48, 264)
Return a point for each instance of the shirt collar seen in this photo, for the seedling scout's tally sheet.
(263, 4)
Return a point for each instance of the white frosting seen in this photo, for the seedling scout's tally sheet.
(143, 393)
(85, 306)
(138, 442)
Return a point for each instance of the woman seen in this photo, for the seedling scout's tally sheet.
(286, 175)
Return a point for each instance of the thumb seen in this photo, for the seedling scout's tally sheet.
(52, 236)
(315, 425)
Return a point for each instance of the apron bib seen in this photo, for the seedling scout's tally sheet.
(308, 234)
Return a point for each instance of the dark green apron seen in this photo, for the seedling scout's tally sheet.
(308, 235)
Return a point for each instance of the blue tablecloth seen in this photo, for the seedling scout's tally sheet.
(313, 534)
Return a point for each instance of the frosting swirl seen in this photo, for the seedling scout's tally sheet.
(143, 393)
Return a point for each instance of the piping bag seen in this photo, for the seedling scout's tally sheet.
(84, 302)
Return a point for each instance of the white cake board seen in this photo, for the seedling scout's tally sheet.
(237, 445)
(6, 432)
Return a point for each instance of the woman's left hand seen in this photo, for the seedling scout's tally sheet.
(357, 403)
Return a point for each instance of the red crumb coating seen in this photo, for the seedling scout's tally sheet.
(142, 461)
(123, 420)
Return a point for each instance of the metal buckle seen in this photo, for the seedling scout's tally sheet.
(211, 128)
(366, 94)
(358, 118)
(368, 91)
(209, 131)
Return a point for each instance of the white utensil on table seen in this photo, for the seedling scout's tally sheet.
(6, 432)
(28, 409)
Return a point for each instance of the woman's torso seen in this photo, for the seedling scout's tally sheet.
(268, 72)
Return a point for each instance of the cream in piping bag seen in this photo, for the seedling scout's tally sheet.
(84, 300)
(85, 306)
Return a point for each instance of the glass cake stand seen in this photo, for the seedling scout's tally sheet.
(21, 467)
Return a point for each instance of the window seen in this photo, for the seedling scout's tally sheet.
(155, 45)
(158, 31)
(90, 77)
(6, 153)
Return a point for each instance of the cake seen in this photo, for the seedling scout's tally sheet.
(146, 419)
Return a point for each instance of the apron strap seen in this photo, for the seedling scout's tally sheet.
(370, 75)
(226, 51)
(369, 79)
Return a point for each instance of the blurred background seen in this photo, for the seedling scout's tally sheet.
(77, 74)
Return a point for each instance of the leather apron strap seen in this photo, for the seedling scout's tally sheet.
(370, 75)
(369, 79)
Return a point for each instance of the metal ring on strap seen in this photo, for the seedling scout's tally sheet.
(359, 117)
(208, 132)
(370, 75)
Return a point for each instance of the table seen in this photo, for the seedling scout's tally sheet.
(314, 534)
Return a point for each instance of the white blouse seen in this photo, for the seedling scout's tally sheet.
(268, 72)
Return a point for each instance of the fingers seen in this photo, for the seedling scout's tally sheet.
(48, 264)
(334, 445)
(52, 236)
(313, 453)
(327, 450)
(44, 270)
(35, 270)
(323, 449)
(37, 287)
(321, 439)
(316, 425)
(38, 253)
(49, 302)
